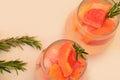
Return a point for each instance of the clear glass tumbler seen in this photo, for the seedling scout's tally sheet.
(90, 27)
(58, 62)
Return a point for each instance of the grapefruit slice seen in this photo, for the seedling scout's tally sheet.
(72, 58)
(94, 14)
(91, 5)
(107, 27)
(63, 58)
(78, 68)
(56, 73)
(94, 17)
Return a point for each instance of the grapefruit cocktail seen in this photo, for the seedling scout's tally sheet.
(62, 60)
(91, 26)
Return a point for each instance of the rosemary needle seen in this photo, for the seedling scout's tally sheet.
(12, 65)
(79, 51)
(6, 44)
(115, 10)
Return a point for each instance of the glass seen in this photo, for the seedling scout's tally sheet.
(86, 25)
(48, 58)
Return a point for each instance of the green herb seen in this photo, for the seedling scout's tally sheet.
(12, 65)
(79, 51)
(115, 10)
(6, 44)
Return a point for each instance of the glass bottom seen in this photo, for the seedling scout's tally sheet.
(95, 47)
(41, 75)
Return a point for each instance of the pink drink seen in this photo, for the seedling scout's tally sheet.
(89, 26)
(56, 63)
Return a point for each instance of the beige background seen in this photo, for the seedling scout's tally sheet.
(45, 19)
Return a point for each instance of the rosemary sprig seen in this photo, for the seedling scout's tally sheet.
(115, 10)
(6, 44)
(12, 65)
(79, 51)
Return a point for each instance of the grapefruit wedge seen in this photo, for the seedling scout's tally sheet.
(107, 27)
(63, 58)
(95, 14)
(56, 73)
(94, 17)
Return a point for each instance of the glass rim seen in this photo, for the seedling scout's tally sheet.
(45, 51)
(94, 35)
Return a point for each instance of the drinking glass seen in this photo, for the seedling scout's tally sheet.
(48, 58)
(89, 26)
